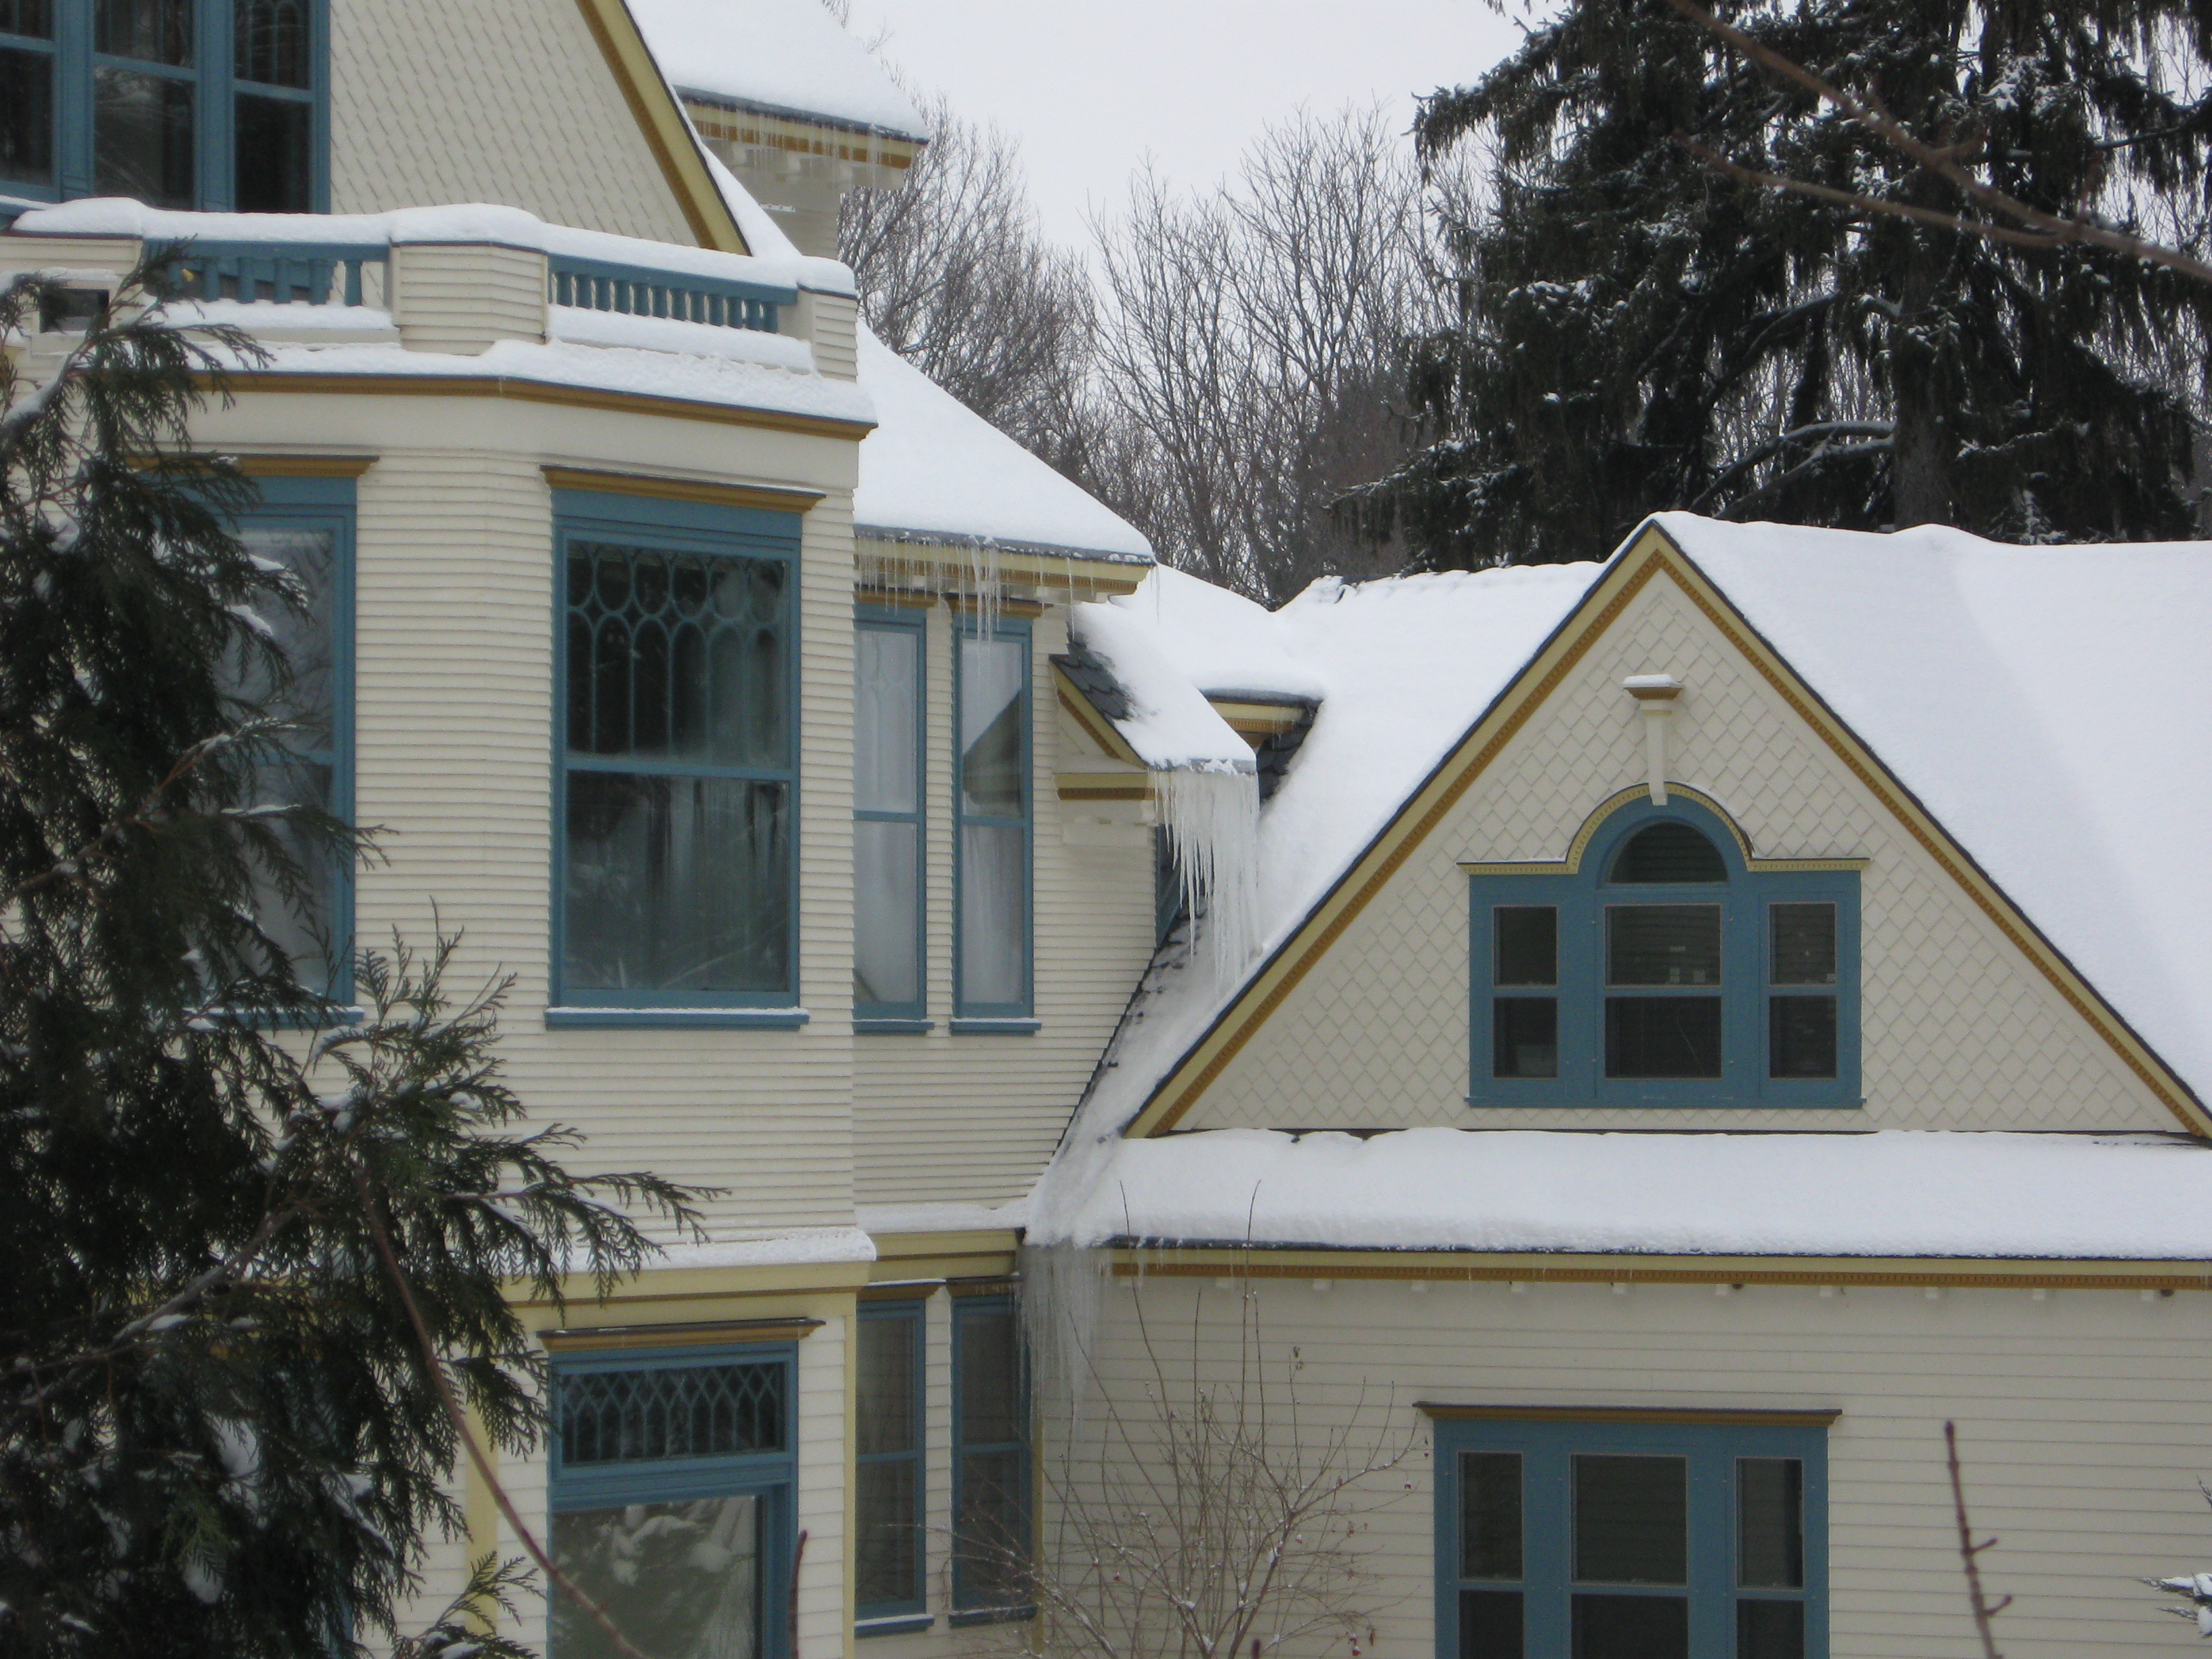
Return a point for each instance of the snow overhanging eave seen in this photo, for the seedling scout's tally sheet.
(972, 538)
(814, 117)
(1471, 1253)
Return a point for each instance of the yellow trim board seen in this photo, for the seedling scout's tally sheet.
(955, 562)
(302, 466)
(1095, 726)
(1691, 1416)
(691, 1335)
(661, 119)
(774, 498)
(1651, 555)
(1548, 1268)
(538, 391)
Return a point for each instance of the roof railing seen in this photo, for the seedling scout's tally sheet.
(639, 291)
(286, 273)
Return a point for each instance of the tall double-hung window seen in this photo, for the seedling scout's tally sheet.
(306, 526)
(216, 105)
(1668, 970)
(992, 792)
(888, 1556)
(887, 828)
(671, 1485)
(676, 885)
(1632, 1540)
(991, 1508)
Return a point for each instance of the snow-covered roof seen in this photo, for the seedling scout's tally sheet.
(935, 469)
(781, 56)
(1223, 644)
(1891, 1192)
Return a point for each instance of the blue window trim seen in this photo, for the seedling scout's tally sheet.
(327, 504)
(1546, 1449)
(684, 528)
(1581, 895)
(1000, 1015)
(881, 1616)
(772, 1476)
(213, 108)
(965, 1607)
(886, 1017)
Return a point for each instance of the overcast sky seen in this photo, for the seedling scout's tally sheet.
(1089, 87)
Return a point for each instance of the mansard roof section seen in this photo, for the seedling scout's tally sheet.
(788, 58)
(934, 471)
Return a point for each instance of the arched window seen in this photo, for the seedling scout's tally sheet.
(1665, 969)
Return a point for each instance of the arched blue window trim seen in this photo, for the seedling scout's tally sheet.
(1579, 890)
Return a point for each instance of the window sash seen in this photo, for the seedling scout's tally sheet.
(915, 941)
(588, 518)
(1010, 902)
(1713, 1457)
(912, 1459)
(973, 1586)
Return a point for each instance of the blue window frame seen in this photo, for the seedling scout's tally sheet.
(676, 764)
(889, 683)
(216, 104)
(1626, 1540)
(889, 1557)
(992, 1513)
(671, 1490)
(1666, 968)
(992, 809)
(306, 524)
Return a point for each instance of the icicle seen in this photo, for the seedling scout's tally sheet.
(1212, 817)
(1061, 1286)
(984, 573)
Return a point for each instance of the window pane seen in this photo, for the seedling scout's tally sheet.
(1490, 1625)
(1770, 1629)
(272, 42)
(273, 140)
(1800, 1037)
(1490, 1514)
(1631, 1520)
(989, 1365)
(677, 656)
(677, 1411)
(1769, 1523)
(887, 690)
(886, 1386)
(886, 913)
(1527, 945)
(993, 914)
(1662, 1036)
(680, 1580)
(1666, 851)
(991, 781)
(1662, 945)
(153, 31)
(141, 137)
(33, 17)
(1804, 944)
(889, 1564)
(1524, 1038)
(991, 1531)
(1631, 1627)
(26, 118)
(677, 884)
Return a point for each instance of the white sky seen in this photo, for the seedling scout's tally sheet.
(1088, 88)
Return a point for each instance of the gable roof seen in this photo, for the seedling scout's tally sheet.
(787, 57)
(1936, 664)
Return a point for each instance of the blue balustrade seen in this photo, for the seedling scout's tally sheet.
(642, 291)
(279, 273)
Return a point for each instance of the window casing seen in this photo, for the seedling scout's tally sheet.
(670, 1489)
(889, 827)
(306, 524)
(992, 807)
(1630, 1541)
(214, 104)
(1665, 971)
(991, 1514)
(889, 1556)
(676, 775)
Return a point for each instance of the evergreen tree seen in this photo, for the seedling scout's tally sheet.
(220, 1432)
(1635, 332)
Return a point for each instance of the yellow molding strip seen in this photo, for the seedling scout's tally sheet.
(1134, 789)
(1070, 571)
(972, 605)
(1446, 1267)
(997, 1285)
(674, 1336)
(867, 594)
(1651, 555)
(541, 392)
(901, 1290)
(303, 466)
(770, 497)
(1689, 1416)
(661, 119)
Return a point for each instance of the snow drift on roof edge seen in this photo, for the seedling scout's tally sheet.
(785, 55)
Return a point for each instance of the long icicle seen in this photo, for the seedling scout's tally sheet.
(1212, 817)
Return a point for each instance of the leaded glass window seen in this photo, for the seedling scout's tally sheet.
(691, 1410)
(679, 773)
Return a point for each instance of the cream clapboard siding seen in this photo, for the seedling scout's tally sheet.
(2080, 1418)
(462, 298)
(1958, 1030)
(493, 100)
(970, 1117)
